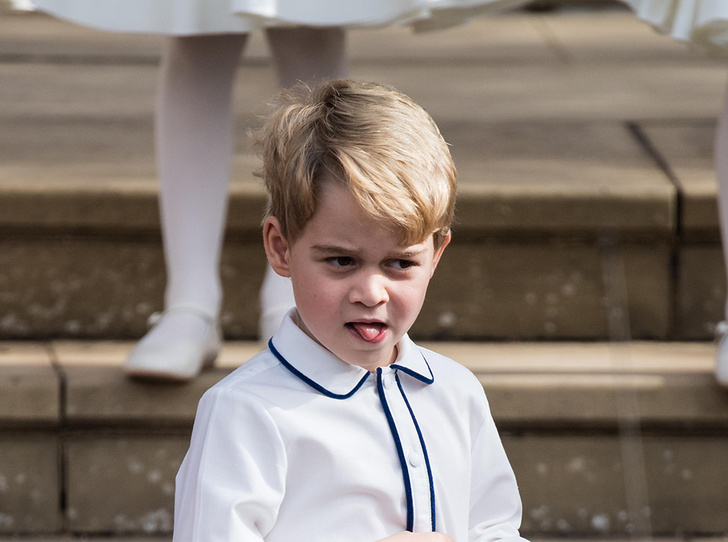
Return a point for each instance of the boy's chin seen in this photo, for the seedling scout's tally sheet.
(369, 358)
(355, 351)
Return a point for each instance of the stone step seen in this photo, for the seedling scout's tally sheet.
(609, 439)
(582, 139)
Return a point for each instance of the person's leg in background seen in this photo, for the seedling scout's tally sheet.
(194, 139)
(300, 54)
(721, 168)
(194, 119)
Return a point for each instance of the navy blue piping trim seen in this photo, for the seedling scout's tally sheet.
(416, 375)
(313, 384)
(424, 451)
(400, 451)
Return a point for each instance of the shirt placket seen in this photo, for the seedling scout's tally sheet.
(411, 449)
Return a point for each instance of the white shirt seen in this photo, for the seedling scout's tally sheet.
(298, 446)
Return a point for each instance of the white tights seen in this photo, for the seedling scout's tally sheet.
(194, 138)
(721, 168)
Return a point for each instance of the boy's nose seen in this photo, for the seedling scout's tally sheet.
(370, 290)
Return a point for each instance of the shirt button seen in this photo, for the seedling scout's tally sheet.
(415, 459)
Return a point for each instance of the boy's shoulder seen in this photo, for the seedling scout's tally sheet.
(251, 380)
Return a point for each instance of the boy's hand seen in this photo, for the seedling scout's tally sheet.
(406, 536)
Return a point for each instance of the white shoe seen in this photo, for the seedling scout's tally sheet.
(178, 361)
(721, 354)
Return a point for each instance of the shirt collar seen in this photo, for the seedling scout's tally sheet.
(326, 373)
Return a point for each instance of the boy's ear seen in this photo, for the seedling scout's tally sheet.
(276, 246)
(439, 251)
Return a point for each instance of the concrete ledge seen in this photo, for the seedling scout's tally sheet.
(98, 393)
(486, 288)
(545, 209)
(29, 387)
(580, 421)
(123, 208)
(591, 485)
(556, 178)
(686, 148)
(560, 210)
(552, 289)
(570, 484)
(656, 402)
(549, 385)
(700, 290)
(138, 467)
(101, 396)
(30, 484)
(53, 286)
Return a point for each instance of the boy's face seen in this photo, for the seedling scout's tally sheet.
(357, 290)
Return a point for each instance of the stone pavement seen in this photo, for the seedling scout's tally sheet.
(570, 129)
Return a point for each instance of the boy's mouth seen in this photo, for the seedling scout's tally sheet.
(371, 332)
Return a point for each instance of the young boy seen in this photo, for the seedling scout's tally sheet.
(344, 429)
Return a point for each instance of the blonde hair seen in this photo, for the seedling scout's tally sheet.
(384, 148)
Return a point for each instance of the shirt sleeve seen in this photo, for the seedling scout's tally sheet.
(495, 512)
(231, 482)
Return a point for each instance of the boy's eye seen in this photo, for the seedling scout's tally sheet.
(402, 264)
(340, 261)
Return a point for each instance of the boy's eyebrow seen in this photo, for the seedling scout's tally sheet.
(333, 249)
(407, 254)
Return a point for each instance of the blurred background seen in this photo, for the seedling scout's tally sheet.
(583, 285)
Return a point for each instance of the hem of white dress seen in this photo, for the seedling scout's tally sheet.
(138, 17)
(699, 23)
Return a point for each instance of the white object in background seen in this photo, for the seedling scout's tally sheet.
(22, 5)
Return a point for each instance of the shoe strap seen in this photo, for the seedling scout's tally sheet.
(155, 317)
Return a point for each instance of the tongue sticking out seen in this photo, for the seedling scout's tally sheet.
(368, 332)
